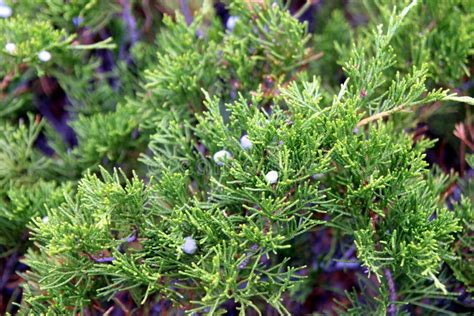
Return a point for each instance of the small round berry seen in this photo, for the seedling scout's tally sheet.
(77, 21)
(231, 22)
(245, 142)
(221, 156)
(271, 177)
(5, 11)
(318, 176)
(10, 48)
(189, 245)
(44, 56)
(45, 220)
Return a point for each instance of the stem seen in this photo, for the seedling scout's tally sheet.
(348, 253)
(104, 44)
(108, 62)
(186, 12)
(148, 17)
(122, 306)
(380, 115)
(310, 59)
(247, 256)
(9, 269)
(340, 265)
(392, 309)
(334, 266)
(130, 20)
(303, 9)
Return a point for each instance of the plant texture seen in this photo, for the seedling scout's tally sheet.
(197, 161)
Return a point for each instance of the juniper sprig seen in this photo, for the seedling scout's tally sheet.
(191, 170)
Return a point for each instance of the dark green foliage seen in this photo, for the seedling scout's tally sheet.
(439, 34)
(20, 161)
(112, 135)
(22, 202)
(30, 39)
(203, 158)
(68, 15)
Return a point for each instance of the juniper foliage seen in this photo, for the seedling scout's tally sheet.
(239, 141)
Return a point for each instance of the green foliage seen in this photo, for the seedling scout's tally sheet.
(239, 60)
(19, 159)
(335, 34)
(30, 180)
(88, 91)
(106, 136)
(438, 34)
(68, 15)
(97, 222)
(372, 59)
(30, 39)
(184, 65)
(21, 203)
(273, 39)
(462, 264)
(245, 156)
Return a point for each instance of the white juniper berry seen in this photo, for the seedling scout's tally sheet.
(189, 246)
(44, 56)
(318, 176)
(231, 22)
(221, 156)
(245, 142)
(5, 11)
(271, 177)
(10, 48)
